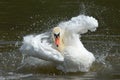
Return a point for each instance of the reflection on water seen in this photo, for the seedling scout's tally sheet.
(20, 18)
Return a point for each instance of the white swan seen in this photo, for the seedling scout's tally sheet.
(66, 52)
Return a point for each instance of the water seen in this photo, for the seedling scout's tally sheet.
(24, 17)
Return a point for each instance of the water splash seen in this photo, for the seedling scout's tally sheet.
(39, 46)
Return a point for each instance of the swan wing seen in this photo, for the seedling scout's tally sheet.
(38, 46)
(80, 24)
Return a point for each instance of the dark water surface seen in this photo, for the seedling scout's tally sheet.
(22, 17)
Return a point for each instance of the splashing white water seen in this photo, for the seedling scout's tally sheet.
(39, 46)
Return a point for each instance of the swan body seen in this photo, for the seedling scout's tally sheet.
(66, 50)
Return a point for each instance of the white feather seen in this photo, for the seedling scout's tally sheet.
(80, 24)
(37, 46)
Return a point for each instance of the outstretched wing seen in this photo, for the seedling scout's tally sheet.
(80, 24)
(38, 46)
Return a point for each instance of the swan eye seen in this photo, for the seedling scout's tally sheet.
(56, 35)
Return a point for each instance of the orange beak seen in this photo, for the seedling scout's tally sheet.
(57, 41)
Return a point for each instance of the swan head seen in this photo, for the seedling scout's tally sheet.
(58, 38)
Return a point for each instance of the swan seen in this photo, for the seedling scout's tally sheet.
(65, 50)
